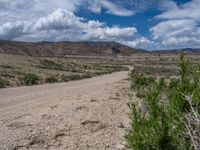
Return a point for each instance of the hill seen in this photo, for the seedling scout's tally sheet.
(61, 49)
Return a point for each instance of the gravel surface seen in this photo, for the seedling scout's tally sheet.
(89, 114)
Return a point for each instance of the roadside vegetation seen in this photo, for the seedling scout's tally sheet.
(21, 70)
(165, 115)
(31, 79)
(3, 83)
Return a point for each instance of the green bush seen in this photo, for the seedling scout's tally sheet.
(173, 83)
(161, 83)
(161, 125)
(139, 80)
(31, 79)
(3, 83)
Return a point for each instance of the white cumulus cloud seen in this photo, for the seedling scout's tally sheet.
(141, 42)
(111, 8)
(36, 20)
(179, 26)
(172, 28)
(12, 30)
(187, 10)
(65, 25)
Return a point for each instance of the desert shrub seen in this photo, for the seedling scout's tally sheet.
(3, 83)
(156, 70)
(6, 67)
(121, 68)
(140, 94)
(86, 75)
(31, 79)
(64, 78)
(75, 77)
(49, 64)
(172, 124)
(7, 75)
(139, 80)
(161, 83)
(173, 83)
(113, 68)
(149, 123)
(106, 69)
(51, 79)
(99, 73)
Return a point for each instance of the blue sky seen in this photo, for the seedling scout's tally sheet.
(147, 24)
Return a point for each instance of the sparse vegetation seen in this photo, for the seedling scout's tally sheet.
(6, 66)
(51, 79)
(74, 77)
(55, 65)
(166, 115)
(157, 70)
(22, 70)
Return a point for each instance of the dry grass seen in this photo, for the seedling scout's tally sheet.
(23, 70)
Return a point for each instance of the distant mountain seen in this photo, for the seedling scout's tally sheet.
(185, 50)
(64, 48)
(61, 49)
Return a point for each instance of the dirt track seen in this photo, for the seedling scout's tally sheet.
(79, 115)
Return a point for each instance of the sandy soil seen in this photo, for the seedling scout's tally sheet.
(90, 114)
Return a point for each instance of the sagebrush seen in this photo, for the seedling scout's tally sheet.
(166, 115)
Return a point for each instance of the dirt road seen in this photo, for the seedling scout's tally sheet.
(79, 115)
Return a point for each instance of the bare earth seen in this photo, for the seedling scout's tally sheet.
(90, 114)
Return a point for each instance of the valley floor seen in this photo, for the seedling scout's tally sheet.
(86, 114)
